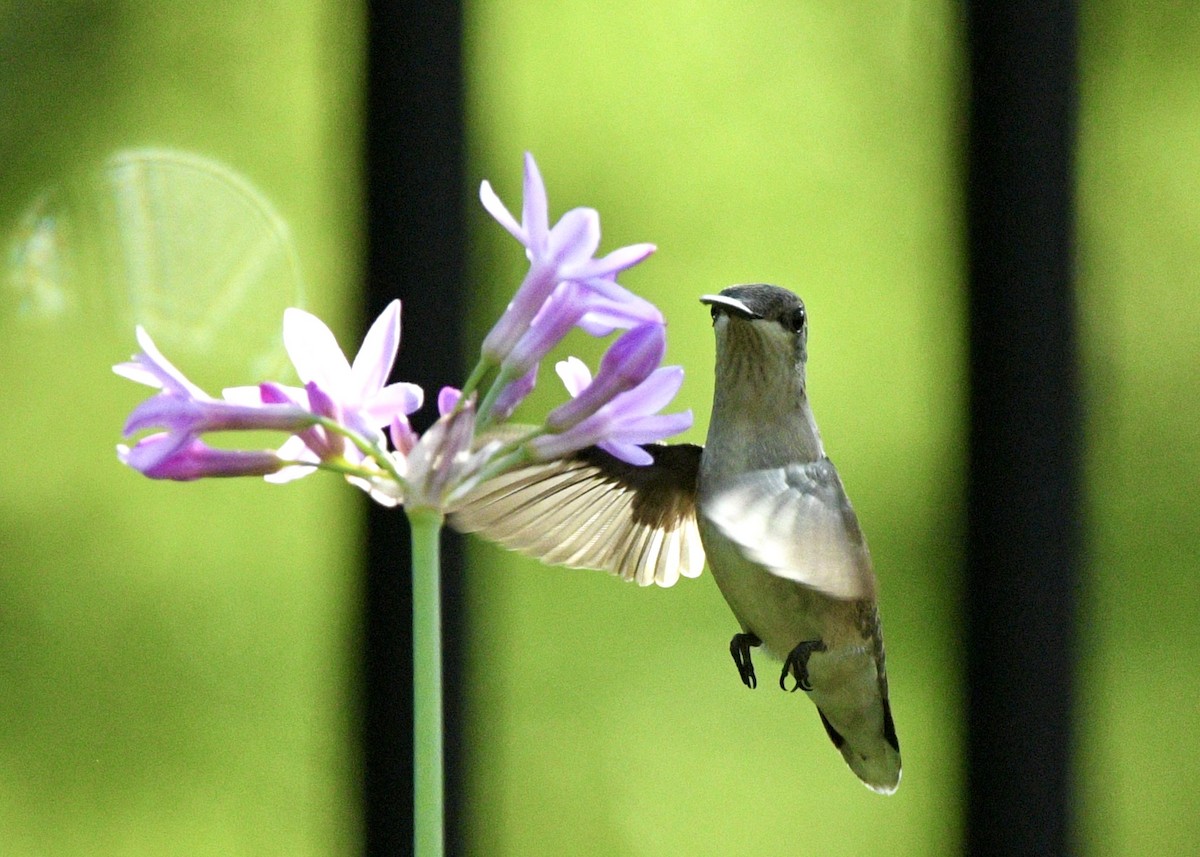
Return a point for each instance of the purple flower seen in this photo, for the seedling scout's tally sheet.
(562, 253)
(605, 313)
(160, 457)
(316, 443)
(447, 398)
(360, 389)
(355, 395)
(564, 308)
(404, 438)
(627, 420)
(186, 411)
(568, 305)
(512, 394)
(627, 363)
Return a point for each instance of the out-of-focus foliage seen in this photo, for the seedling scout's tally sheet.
(1139, 287)
(810, 145)
(174, 660)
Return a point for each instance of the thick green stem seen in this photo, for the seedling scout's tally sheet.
(428, 794)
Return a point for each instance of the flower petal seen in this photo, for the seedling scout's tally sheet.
(497, 209)
(627, 452)
(161, 411)
(192, 416)
(399, 398)
(314, 351)
(403, 436)
(382, 490)
(538, 285)
(573, 240)
(575, 375)
(616, 261)
(198, 460)
(377, 355)
(138, 373)
(654, 427)
(651, 395)
(447, 398)
(605, 315)
(627, 363)
(148, 452)
(535, 217)
(558, 315)
(271, 393)
(247, 395)
(513, 393)
(151, 368)
(294, 449)
(635, 354)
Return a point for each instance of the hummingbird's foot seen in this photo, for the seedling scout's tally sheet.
(797, 664)
(740, 647)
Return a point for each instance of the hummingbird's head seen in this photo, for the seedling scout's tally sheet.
(762, 333)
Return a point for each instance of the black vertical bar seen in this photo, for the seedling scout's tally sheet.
(1024, 482)
(416, 247)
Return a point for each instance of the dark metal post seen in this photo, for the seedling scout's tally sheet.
(1024, 483)
(416, 248)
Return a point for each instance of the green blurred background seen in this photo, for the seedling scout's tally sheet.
(177, 661)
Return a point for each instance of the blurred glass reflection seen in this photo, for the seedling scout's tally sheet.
(176, 661)
(170, 240)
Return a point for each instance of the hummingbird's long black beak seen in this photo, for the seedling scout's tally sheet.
(732, 305)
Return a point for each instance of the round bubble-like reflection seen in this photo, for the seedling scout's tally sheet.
(170, 240)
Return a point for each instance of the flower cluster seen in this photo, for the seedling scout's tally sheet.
(346, 413)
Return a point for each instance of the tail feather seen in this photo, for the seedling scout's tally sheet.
(875, 759)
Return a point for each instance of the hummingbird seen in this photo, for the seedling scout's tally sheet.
(760, 501)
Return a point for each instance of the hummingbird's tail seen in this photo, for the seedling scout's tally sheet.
(872, 752)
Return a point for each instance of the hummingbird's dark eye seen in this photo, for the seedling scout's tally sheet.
(712, 310)
(795, 320)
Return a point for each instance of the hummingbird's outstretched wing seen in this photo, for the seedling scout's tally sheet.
(798, 523)
(593, 510)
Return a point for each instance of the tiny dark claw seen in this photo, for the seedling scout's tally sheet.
(740, 647)
(797, 664)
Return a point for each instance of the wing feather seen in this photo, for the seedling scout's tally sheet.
(797, 522)
(593, 510)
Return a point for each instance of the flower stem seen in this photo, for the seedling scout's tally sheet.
(489, 398)
(378, 454)
(425, 525)
(476, 376)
